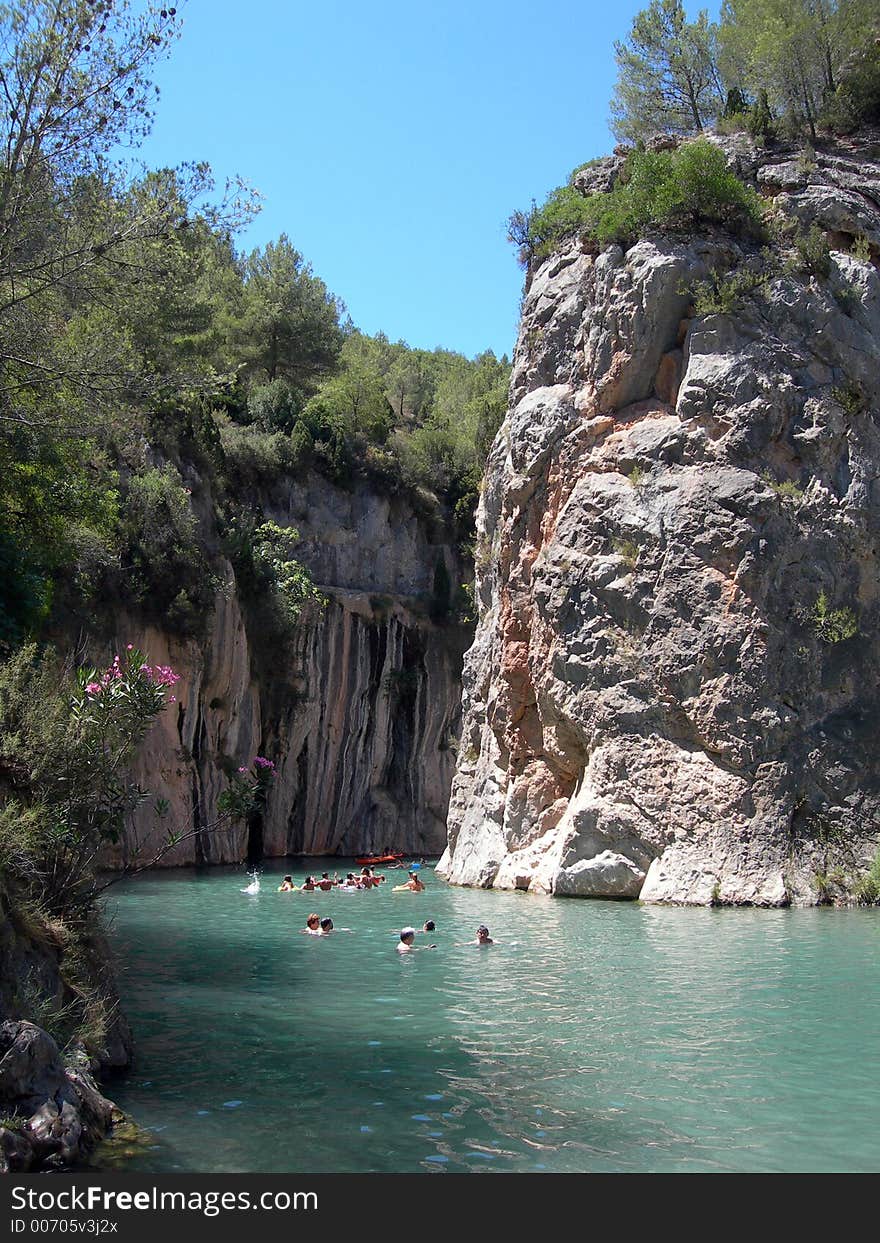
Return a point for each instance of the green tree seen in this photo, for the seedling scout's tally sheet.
(356, 398)
(795, 50)
(75, 84)
(290, 329)
(408, 383)
(668, 75)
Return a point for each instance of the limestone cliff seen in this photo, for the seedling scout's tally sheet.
(360, 716)
(673, 690)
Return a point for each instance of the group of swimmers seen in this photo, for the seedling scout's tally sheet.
(318, 927)
(408, 935)
(366, 879)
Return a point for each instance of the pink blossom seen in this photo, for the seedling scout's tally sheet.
(172, 699)
(261, 762)
(129, 647)
(242, 770)
(93, 688)
(164, 675)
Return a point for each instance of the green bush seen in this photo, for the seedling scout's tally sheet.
(867, 887)
(165, 571)
(813, 252)
(856, 102)
(26, 592)
(724, 294)
(287, 577)
(671, 190)
(253, 456)
(275, 406)
(734, 123)
(627, 550)
(788, 489)
(850, 399)
(832, 625)
(861, 249)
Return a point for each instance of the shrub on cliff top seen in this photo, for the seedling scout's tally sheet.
(670, 190)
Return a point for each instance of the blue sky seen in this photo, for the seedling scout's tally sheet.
(391, 140)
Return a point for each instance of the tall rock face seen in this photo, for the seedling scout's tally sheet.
(673, 691)
(360, 713)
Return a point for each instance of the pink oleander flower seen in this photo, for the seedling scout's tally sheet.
(260, 761)
(172, 699)
(242, 770)
(93, 688)
(129, 647)
(165, 675)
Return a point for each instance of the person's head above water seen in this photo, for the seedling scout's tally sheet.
(313, 920)
(327, 924)
(430, 926)
(407, 935)
(483, 934)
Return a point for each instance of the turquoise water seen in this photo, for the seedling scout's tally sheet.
(595, 1036)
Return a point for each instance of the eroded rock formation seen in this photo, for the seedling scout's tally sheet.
(360, 716)
(673, 689)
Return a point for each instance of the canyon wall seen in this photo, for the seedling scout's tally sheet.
(673, 691)
(360, 711)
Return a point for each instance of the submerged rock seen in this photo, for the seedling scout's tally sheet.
(673, 688)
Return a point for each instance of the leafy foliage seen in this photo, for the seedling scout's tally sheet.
(672, 190)
(799, 54)
(832, 625)
(668, 75)
(767, 66)
(165, 571)
(279, 570)
(867, 887)
(67, 743)
(724, 293)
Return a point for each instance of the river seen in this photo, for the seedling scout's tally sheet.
(593, 1036)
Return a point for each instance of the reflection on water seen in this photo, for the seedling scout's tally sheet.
(594, 1036)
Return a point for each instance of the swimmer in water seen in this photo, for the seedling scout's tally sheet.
(308, 885)
(406, 946)
(327, 927)
(287, 885)
(325, 883)
(429, 926)
(482, 937)
(313, 926)
(414, 883)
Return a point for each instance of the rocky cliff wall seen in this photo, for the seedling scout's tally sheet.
(360, 712)
(673, 691)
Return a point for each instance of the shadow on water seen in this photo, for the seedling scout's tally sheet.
(594, 1036)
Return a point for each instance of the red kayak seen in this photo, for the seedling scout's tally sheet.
(372, 860)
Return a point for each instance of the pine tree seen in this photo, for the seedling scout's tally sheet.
(668, 74)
